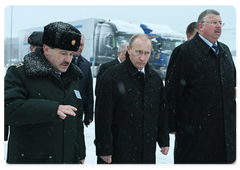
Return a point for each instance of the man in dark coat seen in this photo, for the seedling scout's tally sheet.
(122, 49)
(191, 30)
(200, 89)
(129, 109)
(43, 105)
(86, 83)
(35, 40)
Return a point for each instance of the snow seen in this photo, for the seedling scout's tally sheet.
(234, 60)
(164, 31)
(91, 154)
(158, 27)
(123, 26)
(91, 158)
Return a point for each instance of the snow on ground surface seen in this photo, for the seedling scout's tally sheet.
(91, 154)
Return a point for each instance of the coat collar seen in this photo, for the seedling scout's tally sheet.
(205, 48)
(201, 44)
(37, 65)
(133, 70)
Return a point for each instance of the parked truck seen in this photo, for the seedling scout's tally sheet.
(164, 40)
(102, 38)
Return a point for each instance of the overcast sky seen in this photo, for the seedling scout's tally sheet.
(176, 16)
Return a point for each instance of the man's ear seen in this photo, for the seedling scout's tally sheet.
(188, 36)
(46, 49)
(128, 49)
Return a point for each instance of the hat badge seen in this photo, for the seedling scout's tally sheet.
(73, 42)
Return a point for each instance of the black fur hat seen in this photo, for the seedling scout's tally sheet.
(61, 35)
(36, 38)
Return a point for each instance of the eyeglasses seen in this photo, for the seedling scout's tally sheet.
(214, 23)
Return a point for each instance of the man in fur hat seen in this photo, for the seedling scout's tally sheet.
(43, 105)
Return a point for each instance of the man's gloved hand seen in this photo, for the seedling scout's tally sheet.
(87, 122)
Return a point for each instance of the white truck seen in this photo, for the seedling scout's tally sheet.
(102, 38)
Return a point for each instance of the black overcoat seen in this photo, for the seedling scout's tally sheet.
(129, 119)
(86, 87)
(33, 92)
(103, 68)
(200, 89)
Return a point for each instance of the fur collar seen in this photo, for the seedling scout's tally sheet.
(37, 65)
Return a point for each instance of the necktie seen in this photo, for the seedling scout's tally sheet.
(216, 48)
(141, 77)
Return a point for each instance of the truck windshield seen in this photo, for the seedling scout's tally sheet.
(122, 39)
(164, 45)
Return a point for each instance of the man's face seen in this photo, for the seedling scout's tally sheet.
(210, 28)
(140, 52)
(80, 49)
(58, 58)
(122, 56)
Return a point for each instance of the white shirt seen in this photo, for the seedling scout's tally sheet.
(119, 60)
(143, 70)
(208, 42)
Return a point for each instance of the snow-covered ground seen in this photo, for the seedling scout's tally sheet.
(91, 154)
(235, 60)
(90, 147)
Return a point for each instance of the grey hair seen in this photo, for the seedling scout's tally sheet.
(143, 36)
(122, 47)
(206, 12)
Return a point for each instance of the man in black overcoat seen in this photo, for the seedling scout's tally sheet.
(86, 83)
(35, 40)
(200, 90)
(130, 115)
(122, 49)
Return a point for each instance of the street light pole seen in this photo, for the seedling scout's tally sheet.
(11, 36)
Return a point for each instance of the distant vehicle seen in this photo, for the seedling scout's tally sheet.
(164, 41)
(102, 38)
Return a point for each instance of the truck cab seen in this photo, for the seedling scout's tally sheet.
(109, 34)
(164, 40)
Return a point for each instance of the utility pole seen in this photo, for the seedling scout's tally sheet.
(11, 46)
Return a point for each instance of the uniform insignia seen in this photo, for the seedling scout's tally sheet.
(73, 42)
(17, 65)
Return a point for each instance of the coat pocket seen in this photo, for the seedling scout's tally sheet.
(36, 155)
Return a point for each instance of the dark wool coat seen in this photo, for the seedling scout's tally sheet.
(106, 65)
(33, 92)
(6, 131)
(200, 89)
(102, 69)
(129, 115)
(86, 87)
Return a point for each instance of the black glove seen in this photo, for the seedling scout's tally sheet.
(86, 122)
